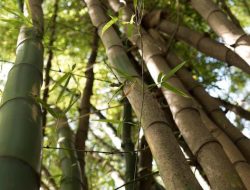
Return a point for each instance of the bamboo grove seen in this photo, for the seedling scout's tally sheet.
(131, 94)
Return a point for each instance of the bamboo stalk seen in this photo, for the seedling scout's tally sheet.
(20, 114)
(71, 172)
(128, 145)
(83, 127)
(204, 44)
(161, 140)
(145, 166)
(223, 27)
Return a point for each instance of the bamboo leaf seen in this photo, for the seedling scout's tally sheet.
(72, 101)
(173, 71)
(109, 24)
(173, 89)
(159, 78)
(60, 81)
(64, 88)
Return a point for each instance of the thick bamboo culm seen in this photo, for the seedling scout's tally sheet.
(20, 116)
(210, 155)
(20, 112)
(159, 136)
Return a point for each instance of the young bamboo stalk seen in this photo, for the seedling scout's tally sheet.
(219, 170)
(128, 145)
(203, 43)
(20, 114)
(71, 172)
(83, 127)
(159, 136)
(223, 27)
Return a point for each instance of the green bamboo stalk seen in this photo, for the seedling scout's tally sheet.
(20, 116)
(159, 136)
(128, 145)
(71, 172)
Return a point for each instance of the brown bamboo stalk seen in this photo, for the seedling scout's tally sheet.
(210, 154)
(233, 153)
(83, 127)
(161, 140)
(212, 107)
(230, 14)
(235, 156)
(223, 27)
(201, 42)
(243, 113)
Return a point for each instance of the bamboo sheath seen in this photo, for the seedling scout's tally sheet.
(201, 42)
(210, 154)
(223, 27)
(159, 136)
(71, 172)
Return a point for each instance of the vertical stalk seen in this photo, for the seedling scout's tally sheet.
(83, 127)
(71, 172)
(128, 145)
(145, 165)
(20, 114)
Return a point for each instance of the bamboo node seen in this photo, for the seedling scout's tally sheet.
(156, 122)
(197, 151)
